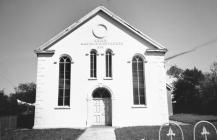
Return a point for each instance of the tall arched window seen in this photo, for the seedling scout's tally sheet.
(138, 81)
(108, 59)
(93, 62)
(64, 81)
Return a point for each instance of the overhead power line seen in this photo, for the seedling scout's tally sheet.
(193, 49)
(8, 81)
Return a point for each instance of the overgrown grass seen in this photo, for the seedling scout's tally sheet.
(193, 118)
(42, 134)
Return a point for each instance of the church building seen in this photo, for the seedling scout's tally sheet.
(100, 71)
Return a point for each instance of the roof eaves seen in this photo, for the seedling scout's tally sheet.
(44, 51)
(156, 50)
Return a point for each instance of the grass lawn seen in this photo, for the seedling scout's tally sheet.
(151, 132)
(42, 134)
(193, 118)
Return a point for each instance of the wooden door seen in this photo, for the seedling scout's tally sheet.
(101, 111)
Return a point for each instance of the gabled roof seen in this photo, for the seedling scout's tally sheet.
(44, 47)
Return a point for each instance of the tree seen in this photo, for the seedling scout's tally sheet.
(9, 106)
(213, 69)
(209, 91)
(194, 76)
(3, 103)
(26, 92)
(175, 71)
(187, 91)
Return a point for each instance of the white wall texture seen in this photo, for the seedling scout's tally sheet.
(124, 113)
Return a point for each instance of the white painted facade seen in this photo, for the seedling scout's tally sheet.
(77, 41)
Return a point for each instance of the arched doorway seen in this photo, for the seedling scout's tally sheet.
(101, 107)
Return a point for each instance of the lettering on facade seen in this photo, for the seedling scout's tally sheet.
(102, 42)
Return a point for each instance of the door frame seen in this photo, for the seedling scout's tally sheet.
(102, 106)
(89, 100)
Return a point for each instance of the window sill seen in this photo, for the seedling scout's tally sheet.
(107, 78)
(139, 106)
(92, 78)
(62, 107)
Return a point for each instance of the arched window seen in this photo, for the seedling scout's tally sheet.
(93, 62)
(138, 81)
(64, 81)
(108, 59)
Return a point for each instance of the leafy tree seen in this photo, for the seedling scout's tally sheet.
(9, 106)
(209, 91)
(195, 92)
(25, 113)
(209, 95)
(3, 103)
(175, 71)
(26, 92)
(213, 69)
(194, 76)
(187, 91)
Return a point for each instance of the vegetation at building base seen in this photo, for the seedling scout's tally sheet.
(194, 91)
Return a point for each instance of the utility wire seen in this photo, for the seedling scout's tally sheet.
(8, 81)
(191, 50)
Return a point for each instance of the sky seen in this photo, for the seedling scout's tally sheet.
(179, 25)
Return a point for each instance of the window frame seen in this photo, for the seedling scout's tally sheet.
(93, 65)
(66, 64)
(108, 64)
(138, 80)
